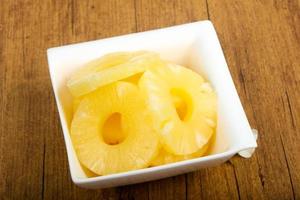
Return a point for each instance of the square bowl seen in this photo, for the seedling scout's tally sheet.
(195, 45)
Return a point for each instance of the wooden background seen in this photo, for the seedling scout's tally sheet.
(261, 42)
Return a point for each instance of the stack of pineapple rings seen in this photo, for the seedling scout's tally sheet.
(133, 110)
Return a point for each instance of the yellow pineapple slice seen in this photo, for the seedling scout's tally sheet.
(184, 127)
(164, 157)
(76, 102)
(88, 172)
(111, 130)
(132, 79)
(103, 62)
(108, 69)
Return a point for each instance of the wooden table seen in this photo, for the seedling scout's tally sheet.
(261, 42)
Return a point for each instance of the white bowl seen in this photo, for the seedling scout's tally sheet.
(195, 45)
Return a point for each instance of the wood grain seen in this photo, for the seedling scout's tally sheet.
(261, 43)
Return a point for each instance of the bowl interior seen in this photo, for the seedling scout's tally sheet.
(193, 45)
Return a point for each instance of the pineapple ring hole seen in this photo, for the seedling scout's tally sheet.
(112, 132)
(182, 102)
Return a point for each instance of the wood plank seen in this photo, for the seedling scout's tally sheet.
(255, 36)
(2, 71)
(213, 183)
(169, 188)
(152, 14)
(100, 19)
(22, 132)
(76, 21)
(137, 191)
(290, 62)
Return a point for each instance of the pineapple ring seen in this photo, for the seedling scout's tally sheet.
(186, 134)
(141, 143)
(132, 79)
(164, 157)
(108, 69)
